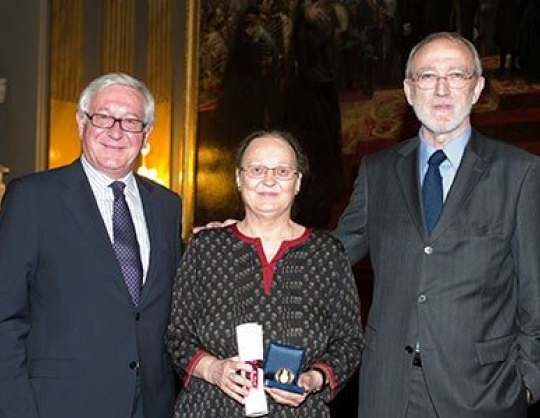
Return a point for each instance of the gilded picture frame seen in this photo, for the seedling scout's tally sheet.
(184, 130)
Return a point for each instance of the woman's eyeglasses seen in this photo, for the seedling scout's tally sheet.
(281, 172)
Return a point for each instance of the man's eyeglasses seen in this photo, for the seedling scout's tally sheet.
(455, 79)
(100, 120)
(281, 172)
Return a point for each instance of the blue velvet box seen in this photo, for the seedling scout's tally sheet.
(282, 366)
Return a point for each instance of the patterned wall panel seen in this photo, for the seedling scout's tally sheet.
(67, 40)
(66, 49)
(160, 48)
(118, 42)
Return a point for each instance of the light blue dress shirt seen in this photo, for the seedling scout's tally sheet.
(454, 153)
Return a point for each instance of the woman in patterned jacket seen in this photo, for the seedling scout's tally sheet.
(295, 282)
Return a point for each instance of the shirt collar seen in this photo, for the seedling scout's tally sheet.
(103, 181)
(454, 149)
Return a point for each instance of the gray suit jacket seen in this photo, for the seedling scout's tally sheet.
(71, 341)
(470, 293)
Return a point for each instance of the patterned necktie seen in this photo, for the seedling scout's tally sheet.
(125, 243)
(432, 190)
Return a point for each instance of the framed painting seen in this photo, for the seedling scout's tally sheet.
(308, 67)
(263, 66)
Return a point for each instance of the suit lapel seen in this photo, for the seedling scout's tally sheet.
(407, 173)
(472, 166)
(145, 190)
(79, 199)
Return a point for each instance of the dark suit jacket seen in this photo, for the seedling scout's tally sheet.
(71, 340)
(470, 293)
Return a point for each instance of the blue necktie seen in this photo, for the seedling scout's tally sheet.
(125, 243)
(432, 191)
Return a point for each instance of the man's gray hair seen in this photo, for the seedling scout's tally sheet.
(450, 36)
(120, 79)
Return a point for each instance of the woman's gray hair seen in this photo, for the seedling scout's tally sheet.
(450, 36)
(121, 79)
(302, 163)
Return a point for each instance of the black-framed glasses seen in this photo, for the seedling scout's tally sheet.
(99, 120)
(455, 79)
(281, 172)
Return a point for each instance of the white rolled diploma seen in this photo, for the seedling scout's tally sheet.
(249, 338)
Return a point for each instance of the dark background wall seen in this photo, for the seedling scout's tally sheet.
(23, 62)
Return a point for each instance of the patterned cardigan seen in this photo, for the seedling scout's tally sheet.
(306, 296)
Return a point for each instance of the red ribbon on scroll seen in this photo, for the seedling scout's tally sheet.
(254, 375)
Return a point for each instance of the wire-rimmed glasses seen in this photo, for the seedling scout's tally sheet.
(281, 172)
(456, 79)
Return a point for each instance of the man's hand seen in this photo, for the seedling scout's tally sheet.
(530, 399)
(215, 224)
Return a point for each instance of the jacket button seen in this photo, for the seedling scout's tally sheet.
(422, 298)
(428, 250)
(134, 365)
(409, 349)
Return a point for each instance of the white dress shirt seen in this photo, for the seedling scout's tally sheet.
(100, 184)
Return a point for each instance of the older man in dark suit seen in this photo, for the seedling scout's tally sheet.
(451, 220)
(88, 253)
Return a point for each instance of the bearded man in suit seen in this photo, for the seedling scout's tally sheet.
(86, 273)
(454, 326)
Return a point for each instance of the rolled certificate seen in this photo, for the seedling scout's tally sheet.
(249, 338)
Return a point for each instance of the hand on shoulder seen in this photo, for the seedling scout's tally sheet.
(215, 224)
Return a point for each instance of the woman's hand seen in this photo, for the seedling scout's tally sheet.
(310, 381)
(227, 374)
(287, 398)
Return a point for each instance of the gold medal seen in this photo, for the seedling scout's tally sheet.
(284, 375)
